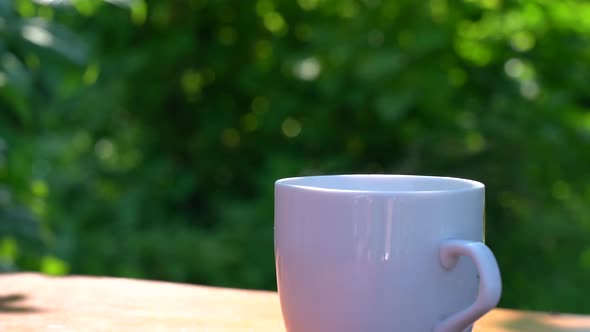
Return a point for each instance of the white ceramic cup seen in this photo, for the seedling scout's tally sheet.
(382, 253)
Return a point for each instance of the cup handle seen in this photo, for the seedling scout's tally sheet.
(490, 283)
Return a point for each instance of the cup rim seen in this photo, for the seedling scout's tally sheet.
(303, 183)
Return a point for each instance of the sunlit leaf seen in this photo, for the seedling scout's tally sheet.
(55, 37)
(54, 266)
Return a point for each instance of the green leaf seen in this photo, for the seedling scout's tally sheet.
(393, 106)
(56, 37)
(379, 65)
(54, 266)
(15, 87)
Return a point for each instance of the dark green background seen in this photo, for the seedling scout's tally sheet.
(142, 139)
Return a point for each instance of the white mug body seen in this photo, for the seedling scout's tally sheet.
(362, 252)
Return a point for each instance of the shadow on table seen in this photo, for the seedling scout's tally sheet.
(546, 324)
(10, 304)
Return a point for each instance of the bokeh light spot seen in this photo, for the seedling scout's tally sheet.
(230, 137)
(561, 190)
(54, 266)
(191, 82)
(308, 4)
(529, 89)
(522, 41)
(514, 68)
(307, 69)
(250, 122)
(91, 74)
(474, 142)
(291, 127)
(274, 22)
(348, 9)
(37, 35)
(227, 35)
(39, 188)
(457, 76)
(104, 149)
(263, 49)
(260, 105)
(264, 7)
(438, 10)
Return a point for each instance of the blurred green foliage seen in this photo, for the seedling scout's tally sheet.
(142, 139)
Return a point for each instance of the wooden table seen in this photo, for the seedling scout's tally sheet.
(32, 302)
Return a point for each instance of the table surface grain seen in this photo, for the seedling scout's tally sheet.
(33, 302)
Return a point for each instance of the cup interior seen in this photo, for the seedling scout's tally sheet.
(382, 183)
